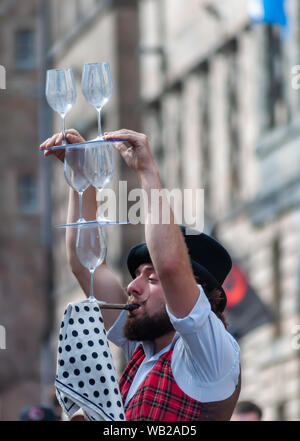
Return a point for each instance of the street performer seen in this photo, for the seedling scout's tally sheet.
(183, 365)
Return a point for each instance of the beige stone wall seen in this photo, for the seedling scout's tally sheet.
(173, 89)
(185, 63)
(23, 302)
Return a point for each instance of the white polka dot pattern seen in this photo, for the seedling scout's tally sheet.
(85, 376)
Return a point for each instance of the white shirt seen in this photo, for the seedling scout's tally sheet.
(205, 359)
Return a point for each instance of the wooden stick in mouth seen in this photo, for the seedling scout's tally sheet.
(127, 307)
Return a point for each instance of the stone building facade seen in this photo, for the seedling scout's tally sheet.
(214, 95)
(221, 113)
(25, 285)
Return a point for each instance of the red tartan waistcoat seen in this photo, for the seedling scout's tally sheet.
(158, 398)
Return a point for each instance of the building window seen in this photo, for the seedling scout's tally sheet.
(276, 103)
(277, 285)
(154, 125)
(178, 129)
(281, 411)
(205, 133)
(25, 57)
(233, 121)
(27, 194)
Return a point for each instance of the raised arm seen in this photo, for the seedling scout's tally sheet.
(165, 241)
(106, 285)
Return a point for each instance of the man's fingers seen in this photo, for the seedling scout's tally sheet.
(57, 138)
(44, 143)
(133, 138)
(122, 133)
(72, 139)
(121, 146)
(49, 142)
(73, 131)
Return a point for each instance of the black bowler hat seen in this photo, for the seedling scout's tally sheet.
(210, 262)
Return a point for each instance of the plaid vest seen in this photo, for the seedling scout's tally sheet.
(159, 398)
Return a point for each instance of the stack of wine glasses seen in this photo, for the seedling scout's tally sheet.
(87, 163)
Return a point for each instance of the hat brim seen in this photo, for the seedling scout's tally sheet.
(139, 254)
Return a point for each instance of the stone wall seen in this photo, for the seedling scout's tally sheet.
(205, 81)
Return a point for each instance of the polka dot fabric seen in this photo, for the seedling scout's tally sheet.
(85, 374)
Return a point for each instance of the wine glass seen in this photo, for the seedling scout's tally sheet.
(74, 174)
(61, 93)
(99, 166)
(96, 84)
(91, 250)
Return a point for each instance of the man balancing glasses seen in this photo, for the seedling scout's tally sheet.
(183, 365)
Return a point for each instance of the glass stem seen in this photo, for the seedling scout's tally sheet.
(80, 204)
(99, 214)
(99, 123)
(64, 142)
(92, 285)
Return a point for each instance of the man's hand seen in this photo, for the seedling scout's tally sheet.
(72, 137)
(135, 152)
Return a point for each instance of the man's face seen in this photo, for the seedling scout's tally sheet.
(150, 320)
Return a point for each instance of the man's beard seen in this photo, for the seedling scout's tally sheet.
(147, 328)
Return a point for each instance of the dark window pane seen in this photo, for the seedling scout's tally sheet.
(277, 285)
(205, 141)
(233, 121)
(27, 194)
(276, 103)
(25, 49)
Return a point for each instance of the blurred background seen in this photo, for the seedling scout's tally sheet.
(212, 89)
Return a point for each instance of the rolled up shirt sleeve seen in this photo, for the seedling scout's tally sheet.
(208, 352)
